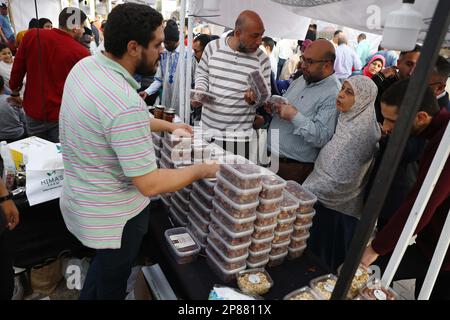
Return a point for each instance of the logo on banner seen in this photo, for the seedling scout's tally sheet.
(53, 180)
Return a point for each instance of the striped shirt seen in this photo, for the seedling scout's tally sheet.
(105, 137)
(302, 138)
(224, 73)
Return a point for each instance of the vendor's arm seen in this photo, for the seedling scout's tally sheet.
(8, 208)
(158, 125)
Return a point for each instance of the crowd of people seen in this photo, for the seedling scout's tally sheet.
(340, 106)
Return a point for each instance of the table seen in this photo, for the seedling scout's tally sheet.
(195, 280)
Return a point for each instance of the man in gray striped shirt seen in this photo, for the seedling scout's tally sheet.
(223, 71)
(308, 121)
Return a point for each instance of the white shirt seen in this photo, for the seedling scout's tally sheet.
(286, 48)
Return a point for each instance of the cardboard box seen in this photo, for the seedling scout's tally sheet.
(20, 149)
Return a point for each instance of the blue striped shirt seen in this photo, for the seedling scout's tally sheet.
(302, 138)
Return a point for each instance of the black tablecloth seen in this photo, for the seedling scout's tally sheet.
(40, 235)
(195, 280)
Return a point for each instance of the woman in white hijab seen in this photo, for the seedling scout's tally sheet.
(342, 170)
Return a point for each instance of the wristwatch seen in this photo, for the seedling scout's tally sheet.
(6, 198)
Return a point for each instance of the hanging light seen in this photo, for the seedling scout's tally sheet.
(211, 5)
(402, 28)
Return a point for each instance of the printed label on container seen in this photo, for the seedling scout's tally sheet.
(328, 287)
(380, 295)
(253, 278)
(181, 241)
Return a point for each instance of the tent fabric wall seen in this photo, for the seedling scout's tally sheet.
(23, 11)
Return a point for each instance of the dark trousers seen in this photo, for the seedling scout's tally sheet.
(6, 268)
(280, 66)
(241, 148)
(110, 268)
(414, 265)
(295, 171)
(331, 235)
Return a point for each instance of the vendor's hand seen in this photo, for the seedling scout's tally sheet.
(268, 107)
(250, 97)
(259, 122)
(389, 72)
(181, 129)
(15, 101)
(11, 213)
(286, 111)
(369, 256)
(196, 104)
(143, 95)
(209, 168)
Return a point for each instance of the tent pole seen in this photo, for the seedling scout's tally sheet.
(187, 109)
(182, 61)
(410, 105)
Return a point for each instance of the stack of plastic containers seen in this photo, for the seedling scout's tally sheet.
(232, 218)
(267, 213)
(303, 218)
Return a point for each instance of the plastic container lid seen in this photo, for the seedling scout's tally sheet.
(174, 139)
(287, 220)
(300, 238)
(270, 201)
(328, 282)
(198, 216)
(180, 199)
(197, 228)
(289, 202)
(228, 184)
(229, 217)
(283, 233)
(258, 264)
(202, 192)
(306, 226)
(305, 215)
(295, 250)
(210, 182)
(230, 233)
(238, 207)
(224, 257)
(182, 242)
(244, 171)
(199, 204)
(226, 244)
(264, 216)
(379, 292)
(304, 196)
(226, 273)
(178, 208)
(254, 281)
(306, 292)
(165, 201)
(165, 159)
(176, 218)
(259, 253)
(265, 228)
(282, 244)
(278, 256)
(259, 241)
(273, 182)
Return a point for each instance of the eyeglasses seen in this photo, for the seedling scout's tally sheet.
(435, 83)
(308, 61)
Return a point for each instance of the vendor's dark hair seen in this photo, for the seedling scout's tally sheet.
(43, 21)
(3, 46)
(268, 41)
(203, 39)
(34, 23)
(127, 22)
(69, 16)
(396, 93)
(417, 48)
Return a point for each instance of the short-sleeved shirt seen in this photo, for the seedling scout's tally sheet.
(5, 24)
(106, 140)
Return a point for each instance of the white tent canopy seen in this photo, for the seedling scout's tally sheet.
(286, 18)
(23, 11)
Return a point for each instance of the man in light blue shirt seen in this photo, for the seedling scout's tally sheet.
(308, 121)
(346, 59)
(363, 48)
(7, 33)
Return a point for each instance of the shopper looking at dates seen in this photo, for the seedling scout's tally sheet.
(109, 158)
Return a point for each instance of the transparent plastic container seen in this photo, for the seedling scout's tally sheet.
(157, 140)
(305, 293)
(285, 224)
(283, 236)
(234, 209)
(254, 281)
(272, 187)
(376, 291)
(199, 208)
(269, 205)
(301, 231)
(177, 155)
(179, 210)
(243, 176)
(157, 151)
(306, 198)
(224, 274)
(288, 206)
(166, 200)
(173, 140)
(207, 185)
(276, 260)
(199, 221)
(229, 236)
(225, 262)
(185, 193)
(264, 232)
(181, 201)
(298, 242)
(201, 152)
(228, 250)
(183, 245)
(203, 197)
(304, 219)
(239, 196)
(294, 253)
(166, 162)
(232, 223)
(260, 251)
(260, 264)
(197, 232)
(258, 259)
(324, 285)
(261, 245)
(280, 247)
(360, 279)
(266, 219)
(177, 221)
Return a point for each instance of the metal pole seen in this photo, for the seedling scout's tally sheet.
(187, 109)
(182, 61)
(416, 89)
(436, 262)
(417, 210)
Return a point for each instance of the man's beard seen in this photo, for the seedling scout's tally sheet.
(311, 78)
(144, 69)
(242, 48)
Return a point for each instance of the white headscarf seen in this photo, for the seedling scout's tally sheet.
(342, 168)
